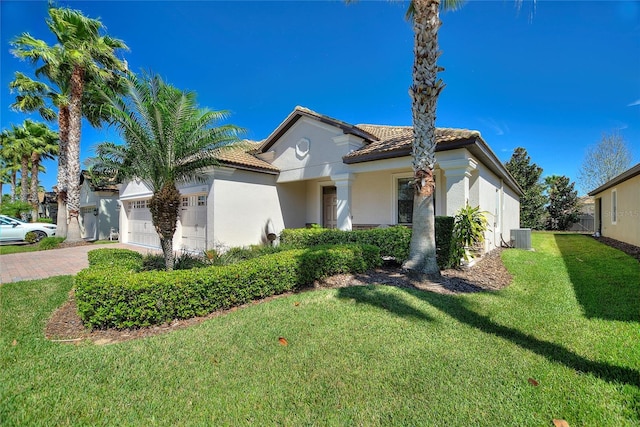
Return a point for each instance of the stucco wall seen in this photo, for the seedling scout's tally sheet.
(320, 156)
(627, 226)
(511, 210)
(242, 203)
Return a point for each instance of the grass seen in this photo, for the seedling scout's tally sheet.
(371, 355)
(22, 247)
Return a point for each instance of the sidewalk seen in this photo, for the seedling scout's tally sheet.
(54, 262)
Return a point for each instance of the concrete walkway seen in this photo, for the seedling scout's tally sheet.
(54, 262)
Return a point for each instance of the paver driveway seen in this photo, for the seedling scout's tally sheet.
(55, 262)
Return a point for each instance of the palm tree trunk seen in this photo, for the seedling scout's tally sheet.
(424, 94)
(24, 188)
(73, 159)
(12, 186)
(164, 206)
(33, 194)
(61, 188)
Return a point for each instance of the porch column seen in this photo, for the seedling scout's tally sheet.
(343, 193)
(457, 174)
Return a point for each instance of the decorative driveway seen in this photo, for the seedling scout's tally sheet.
(54, 262)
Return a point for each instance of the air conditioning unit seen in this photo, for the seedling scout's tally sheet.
(521, 238)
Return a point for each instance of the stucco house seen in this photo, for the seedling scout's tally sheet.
(314, 169)
(99, 208)
(617, 207)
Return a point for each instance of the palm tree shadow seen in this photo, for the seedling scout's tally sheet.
(455, 307)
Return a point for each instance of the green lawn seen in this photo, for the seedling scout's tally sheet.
(356, 356)
(18, 248)
(22, 247)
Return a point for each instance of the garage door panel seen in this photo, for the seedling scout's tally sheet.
(141, 229)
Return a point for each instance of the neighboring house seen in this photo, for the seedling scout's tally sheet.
(48, 205)
(617, 207)
(99, 208)
(586, 218)
(314, 169)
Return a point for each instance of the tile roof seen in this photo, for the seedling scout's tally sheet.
(395, 141)
(243, 157)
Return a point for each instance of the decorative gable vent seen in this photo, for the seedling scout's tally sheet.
(521, 238)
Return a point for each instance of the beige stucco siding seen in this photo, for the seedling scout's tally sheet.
(311, 150)
(373, 198)
(511, 212)
(626, 227)
(243, 202)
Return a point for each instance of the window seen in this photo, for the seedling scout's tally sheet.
(614, 206)
(194, 200)
(405, 200)
(139, 204)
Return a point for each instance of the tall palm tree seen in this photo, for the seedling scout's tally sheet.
(34, 95)
(424, 92)
(168, 140)
(10, 153)
(44, 145)
(80, 56)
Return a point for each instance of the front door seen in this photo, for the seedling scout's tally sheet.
(329, 207)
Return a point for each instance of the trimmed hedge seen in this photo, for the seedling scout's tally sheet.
(393, 241)
(111, 294)
(115, 258)
(444, 240)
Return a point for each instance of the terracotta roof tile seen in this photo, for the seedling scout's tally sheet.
(243, 157)
(396, 141)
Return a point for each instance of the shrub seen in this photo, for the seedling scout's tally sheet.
(468, 230)
(50, 242)
(188, 260)
(115, 259)
(15, 209)
(45, 220)
(31, 237)
(121, 298)
(235, 255)
(393, 241)
(153, 262)
(444, 240)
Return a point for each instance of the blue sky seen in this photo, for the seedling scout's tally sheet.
(551, 77)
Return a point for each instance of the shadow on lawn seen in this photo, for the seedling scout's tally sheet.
(455, 307)
(606, 282)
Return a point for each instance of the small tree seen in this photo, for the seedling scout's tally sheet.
(527, 174)
(468, 231)
(169, 140)
(563, 209)
(604, 161)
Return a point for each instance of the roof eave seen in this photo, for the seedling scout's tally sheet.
(249, 168)
(628, 174)
(300, 112)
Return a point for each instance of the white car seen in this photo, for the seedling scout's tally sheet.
(12, 229)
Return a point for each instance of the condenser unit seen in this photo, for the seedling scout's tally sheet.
(521, 238)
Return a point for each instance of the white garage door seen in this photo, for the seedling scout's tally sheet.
(141, 229)
(89, 229)
(193, 217)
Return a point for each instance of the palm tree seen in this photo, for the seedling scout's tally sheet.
(37, 96)
(424, 92)
(44, 145)
(10, 154)
(81, 56)
(168, 140)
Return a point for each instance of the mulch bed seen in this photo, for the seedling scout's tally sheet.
(487, 274)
